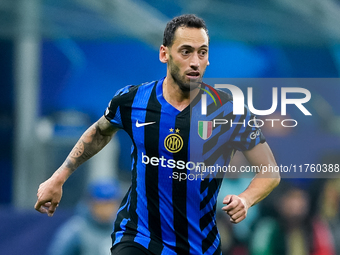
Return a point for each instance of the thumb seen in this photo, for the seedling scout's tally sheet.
(227, 199)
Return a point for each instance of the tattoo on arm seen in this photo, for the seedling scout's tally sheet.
(91, 142)
(77, 150)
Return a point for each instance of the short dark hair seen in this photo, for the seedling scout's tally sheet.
(186, 20)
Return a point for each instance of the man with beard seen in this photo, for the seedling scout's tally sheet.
(170, 208)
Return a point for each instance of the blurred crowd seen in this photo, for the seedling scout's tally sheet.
(297, 218)
(89, 230)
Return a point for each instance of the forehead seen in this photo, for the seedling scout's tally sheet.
(195, 37)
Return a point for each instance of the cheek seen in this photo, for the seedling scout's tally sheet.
(180, 61)
(175, 67)
(205, 62)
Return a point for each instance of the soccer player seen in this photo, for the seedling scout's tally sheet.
(170, 207)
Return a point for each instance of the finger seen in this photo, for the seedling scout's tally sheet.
(52, 208)
(47, 204)
(39, 207)
(227, 199)
(238, 220)
(237, 206)
(237, 215)
(231, 206)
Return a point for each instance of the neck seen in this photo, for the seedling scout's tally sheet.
(175, 96)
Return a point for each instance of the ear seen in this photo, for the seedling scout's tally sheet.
(163, 54)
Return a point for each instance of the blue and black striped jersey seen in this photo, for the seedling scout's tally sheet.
(171, 203)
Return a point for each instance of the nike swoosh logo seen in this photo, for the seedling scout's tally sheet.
(144, 124)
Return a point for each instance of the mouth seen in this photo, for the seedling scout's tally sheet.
(193, 75)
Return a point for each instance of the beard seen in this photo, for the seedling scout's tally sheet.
(181, 81)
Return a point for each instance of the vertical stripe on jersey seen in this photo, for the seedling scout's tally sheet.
(151, 139)
(209, 187)
(130, 212)
(167, 121)
(179, 192)
(137, 207)
(120, 216)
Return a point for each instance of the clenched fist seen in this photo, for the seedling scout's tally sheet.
(236, 207)
(49, 195)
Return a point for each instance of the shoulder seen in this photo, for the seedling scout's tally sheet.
(225, 97)
(126, 95)
(220, 95)
(132, 89)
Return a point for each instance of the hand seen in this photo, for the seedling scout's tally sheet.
(49, 195)
(236, 207)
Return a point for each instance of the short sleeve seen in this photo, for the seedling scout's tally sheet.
(247, 133)
(113, 111)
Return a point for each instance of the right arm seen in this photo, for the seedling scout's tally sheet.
(91, 142)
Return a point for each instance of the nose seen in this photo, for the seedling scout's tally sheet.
(194, 62)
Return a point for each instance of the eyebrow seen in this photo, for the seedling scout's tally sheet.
(189, 46)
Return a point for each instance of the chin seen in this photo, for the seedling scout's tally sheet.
(185, 88)
(194, 83)
(189, 87)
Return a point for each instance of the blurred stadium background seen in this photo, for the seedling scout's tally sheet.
(62, 61)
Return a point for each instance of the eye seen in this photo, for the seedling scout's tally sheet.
(185, 52)
(202, 53)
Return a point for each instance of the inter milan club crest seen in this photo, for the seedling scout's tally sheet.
(173, 142)
(204, 129)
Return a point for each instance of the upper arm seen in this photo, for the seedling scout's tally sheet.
(260, 155)
(105, 127)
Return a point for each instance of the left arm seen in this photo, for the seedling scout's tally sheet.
(260, 187)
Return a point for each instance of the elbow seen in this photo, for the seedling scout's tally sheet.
(276, 180)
